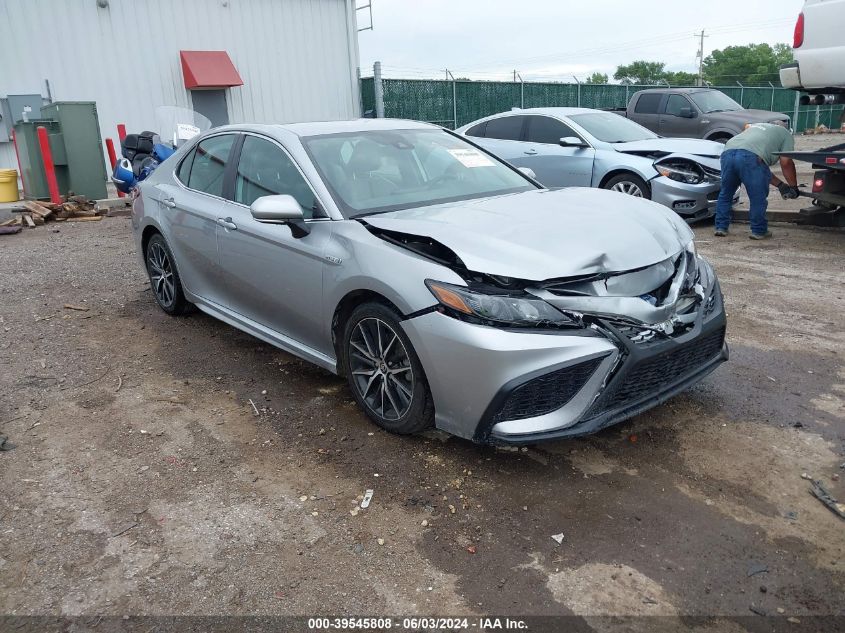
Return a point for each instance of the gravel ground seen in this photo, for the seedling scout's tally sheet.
(144, 483)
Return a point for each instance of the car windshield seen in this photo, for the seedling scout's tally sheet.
(714, 101)
(385, 170)
(612, 128)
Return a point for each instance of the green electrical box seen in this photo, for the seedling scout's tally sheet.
(83, 146)
(32, 167)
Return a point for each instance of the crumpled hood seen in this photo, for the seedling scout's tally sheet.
(695, 146)
(539, 235)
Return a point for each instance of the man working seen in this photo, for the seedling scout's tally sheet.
(746, 161)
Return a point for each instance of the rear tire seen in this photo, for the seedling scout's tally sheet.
(384, 372)
(164, 278)
(629, 184)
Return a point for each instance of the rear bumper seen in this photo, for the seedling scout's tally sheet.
(790, 76)
(815, 70)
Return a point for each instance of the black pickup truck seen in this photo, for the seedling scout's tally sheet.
(693, 113)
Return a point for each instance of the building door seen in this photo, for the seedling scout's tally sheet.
(211, 104)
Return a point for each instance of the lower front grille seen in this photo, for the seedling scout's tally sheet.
(546, 393)
(656, 374)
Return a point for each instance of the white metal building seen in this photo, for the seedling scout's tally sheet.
(297, 60)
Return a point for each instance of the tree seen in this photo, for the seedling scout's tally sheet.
(680, 78)
(751, 64)
(597, 78)
(641, 72)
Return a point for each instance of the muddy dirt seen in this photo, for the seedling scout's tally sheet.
(143, 482)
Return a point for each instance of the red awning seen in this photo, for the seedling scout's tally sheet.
(209, 69)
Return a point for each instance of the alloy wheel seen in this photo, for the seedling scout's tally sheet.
(628, 187)
(381, 368)
(161, 274)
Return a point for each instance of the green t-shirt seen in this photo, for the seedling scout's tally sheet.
(763, 139)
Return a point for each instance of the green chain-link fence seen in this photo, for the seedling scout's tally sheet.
(453, 104)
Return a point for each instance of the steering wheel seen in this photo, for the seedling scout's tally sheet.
(453, 172)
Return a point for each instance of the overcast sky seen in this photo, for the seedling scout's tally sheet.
(555, 39)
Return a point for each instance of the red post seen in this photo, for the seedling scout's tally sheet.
(49, 167)
(121, 131)
(113, 160)
(18, 157)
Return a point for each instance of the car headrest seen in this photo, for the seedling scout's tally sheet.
(366, 157)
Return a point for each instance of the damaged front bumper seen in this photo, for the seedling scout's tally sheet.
(692, 202)
(646, 376)
(509, 386)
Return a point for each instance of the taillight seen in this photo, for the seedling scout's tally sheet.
(798, 38)
(818, 185)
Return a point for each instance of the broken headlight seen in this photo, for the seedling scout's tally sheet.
(494, 309)
(681, 170)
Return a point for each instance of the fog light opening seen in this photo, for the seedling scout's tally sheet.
(685, 205)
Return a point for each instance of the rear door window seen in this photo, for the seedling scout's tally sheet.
(506, 128)
(648, 103)
(544, 129)
(209, 164)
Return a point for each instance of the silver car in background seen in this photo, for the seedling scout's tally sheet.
(567, 147)
(446, 286)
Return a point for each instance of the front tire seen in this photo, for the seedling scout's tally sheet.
(164, 278)
(721, 138)
(384, 372)
(629, 184)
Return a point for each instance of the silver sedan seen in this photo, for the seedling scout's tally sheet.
(445, 285)
(581, 147)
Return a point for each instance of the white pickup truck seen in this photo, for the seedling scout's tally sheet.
(819, 52)
(819, 69)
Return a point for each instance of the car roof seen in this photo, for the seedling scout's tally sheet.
(547, 111)
(312, 128)
(684, 90)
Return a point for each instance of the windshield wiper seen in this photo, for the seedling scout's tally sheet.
(369, 213)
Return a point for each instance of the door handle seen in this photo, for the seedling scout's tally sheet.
(227, 223)
(531, 152)
(169, 202)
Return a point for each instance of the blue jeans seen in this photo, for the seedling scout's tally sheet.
(739, 166)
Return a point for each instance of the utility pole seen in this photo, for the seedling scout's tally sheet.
(700, 56)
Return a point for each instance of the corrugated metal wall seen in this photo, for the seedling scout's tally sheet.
(297, 58)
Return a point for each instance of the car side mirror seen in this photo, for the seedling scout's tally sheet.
(528, 172)
(280, 209)
(686, 113)
(572, 141)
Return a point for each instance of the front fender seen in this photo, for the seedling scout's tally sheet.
(361, 261)
(610, 163)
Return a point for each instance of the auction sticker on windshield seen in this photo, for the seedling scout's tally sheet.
(471, 158)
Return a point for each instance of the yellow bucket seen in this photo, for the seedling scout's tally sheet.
(8, 185)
